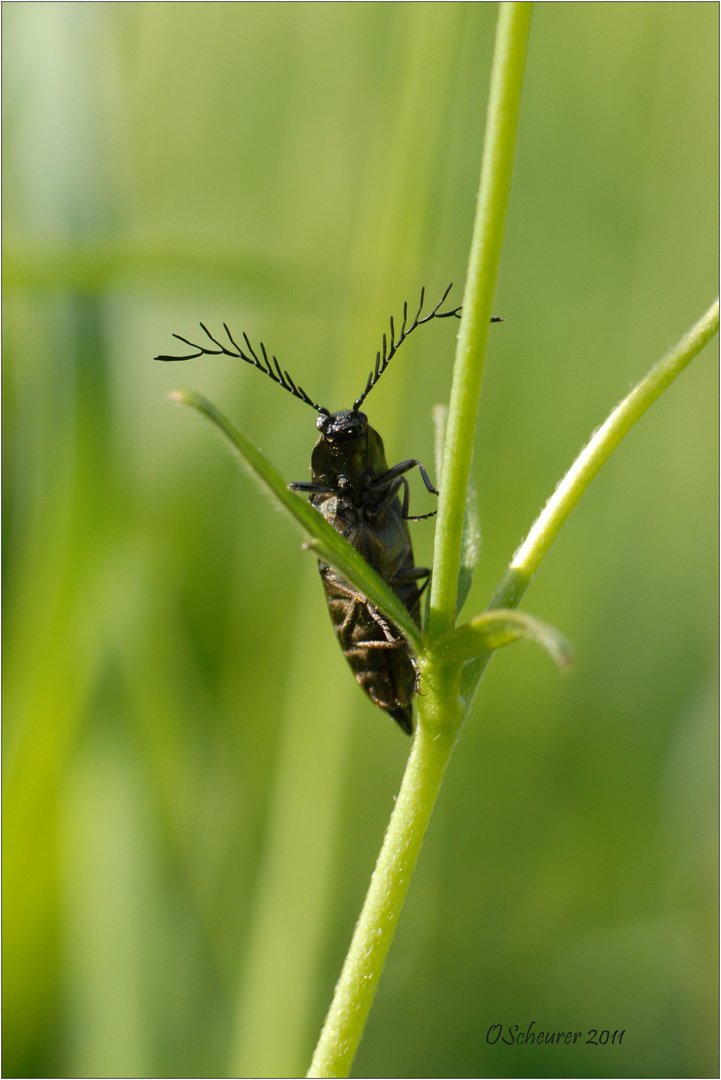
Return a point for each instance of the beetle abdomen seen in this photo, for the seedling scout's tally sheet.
(375, 650)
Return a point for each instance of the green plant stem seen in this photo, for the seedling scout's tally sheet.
(440, 712)
(374, 930)
(498, 151)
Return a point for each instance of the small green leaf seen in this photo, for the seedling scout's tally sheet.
(471, 535)
(494, 629)
(470, 544)
(321, 537)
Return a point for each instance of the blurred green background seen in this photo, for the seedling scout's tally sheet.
(195, 789)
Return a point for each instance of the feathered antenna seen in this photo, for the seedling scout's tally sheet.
(272, 370)
(383, 358)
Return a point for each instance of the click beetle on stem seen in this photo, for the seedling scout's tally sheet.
(360, 496)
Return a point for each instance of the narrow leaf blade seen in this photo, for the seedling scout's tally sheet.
(494, 629)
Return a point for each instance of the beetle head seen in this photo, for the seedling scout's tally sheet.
(339, 429)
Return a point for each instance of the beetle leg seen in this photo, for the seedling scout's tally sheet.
(312, 488)
(404, 467)
(406, 497)
(388, 497)
(360, 603)
(426, 479)
(419, 517)
(344, 632)
(344, 629)
(390, 643)
(422, 589)
(404, 512)
(396, 473)
(414, 517)
(412, 573)
(417, 671)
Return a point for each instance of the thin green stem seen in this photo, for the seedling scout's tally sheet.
(374, 930)
(498, 151)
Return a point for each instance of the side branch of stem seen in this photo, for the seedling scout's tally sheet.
(620, 421)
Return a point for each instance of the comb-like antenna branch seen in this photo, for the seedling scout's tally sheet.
(389, 350)
(251, 357)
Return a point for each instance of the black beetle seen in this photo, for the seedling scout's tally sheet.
(356, 492)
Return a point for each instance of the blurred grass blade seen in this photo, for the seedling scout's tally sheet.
(322, 537)
(494, 629)
(471, 536)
